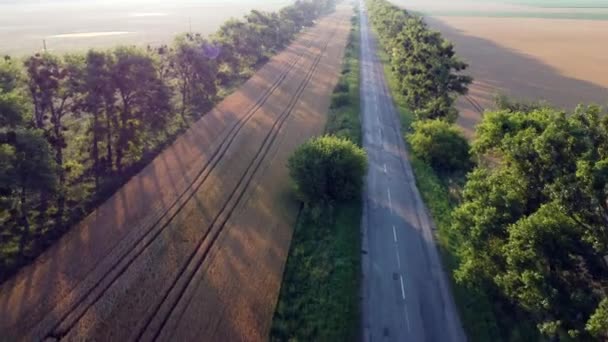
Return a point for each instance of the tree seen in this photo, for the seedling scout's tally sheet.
(51, 81)
(27, 168)
(425, 64)
(533, 226)
(12, 101)
(195, 66)
(440, 144)
(328, 169)
(98, 91)
(144, 100)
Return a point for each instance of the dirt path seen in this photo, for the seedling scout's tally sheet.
(194, 246)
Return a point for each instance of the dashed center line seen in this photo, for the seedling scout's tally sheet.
(385, 171)
(402, 287)
(407, 318)
(394, 234)
(398, 258)
(390, 201)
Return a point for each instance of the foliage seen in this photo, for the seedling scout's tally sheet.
(598, 322)
(533, 228)
(328, 169)
(440, 144)
(424, 63)
(76, 127)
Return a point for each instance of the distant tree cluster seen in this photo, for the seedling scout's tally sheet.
(534, 224)
(74, 127)
(425, 64)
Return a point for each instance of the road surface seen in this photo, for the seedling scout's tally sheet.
(406, 295)
(193, 247)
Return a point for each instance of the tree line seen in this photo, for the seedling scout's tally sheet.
(75, 127)
(427, 69)
(429, 79)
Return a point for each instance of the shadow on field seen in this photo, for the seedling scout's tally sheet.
(498, 69)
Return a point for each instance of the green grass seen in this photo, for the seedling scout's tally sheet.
(319, 299)
(319, 295)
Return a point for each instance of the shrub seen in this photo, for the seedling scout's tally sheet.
(339, 100)
(440, 144)
(328, 169)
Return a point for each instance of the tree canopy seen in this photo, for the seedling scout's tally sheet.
(328, 169)
(534, 227)
(425, 64)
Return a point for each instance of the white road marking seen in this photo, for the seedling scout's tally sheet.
(402, 288)
(398, 258)
(385, 168)
(407, 318)
(390, 201)
(394, 234)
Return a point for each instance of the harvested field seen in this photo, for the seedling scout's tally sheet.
(193, 246)
(560, 61)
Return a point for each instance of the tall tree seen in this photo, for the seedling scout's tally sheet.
(144, 100)
(195, 65)
(96, 81)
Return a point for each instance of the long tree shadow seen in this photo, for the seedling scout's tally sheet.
(499, 69)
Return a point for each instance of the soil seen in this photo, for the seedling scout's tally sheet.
(556, 60)
(194, 246)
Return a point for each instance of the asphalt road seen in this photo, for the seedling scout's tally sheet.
(406, 294)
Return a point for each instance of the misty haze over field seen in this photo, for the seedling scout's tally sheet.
(82, 24)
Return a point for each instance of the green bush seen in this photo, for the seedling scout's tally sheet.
(339, 100)
(328, 169)
(440, 144)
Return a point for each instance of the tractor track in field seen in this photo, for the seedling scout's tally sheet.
(476, 106)
(62, 326)
(198, 257)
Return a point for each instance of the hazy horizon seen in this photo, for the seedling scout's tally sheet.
(68, 25)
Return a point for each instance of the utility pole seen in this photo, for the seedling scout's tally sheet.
(190, 23)
(44, 45)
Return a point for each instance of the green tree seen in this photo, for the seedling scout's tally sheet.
(143, 100)
(328, 169)
(195, 67)
(440, 144)
(12, 101)
(533, 226)
(425, 64)
(26, 169)
(98, 99)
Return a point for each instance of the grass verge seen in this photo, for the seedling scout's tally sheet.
(320, 290)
